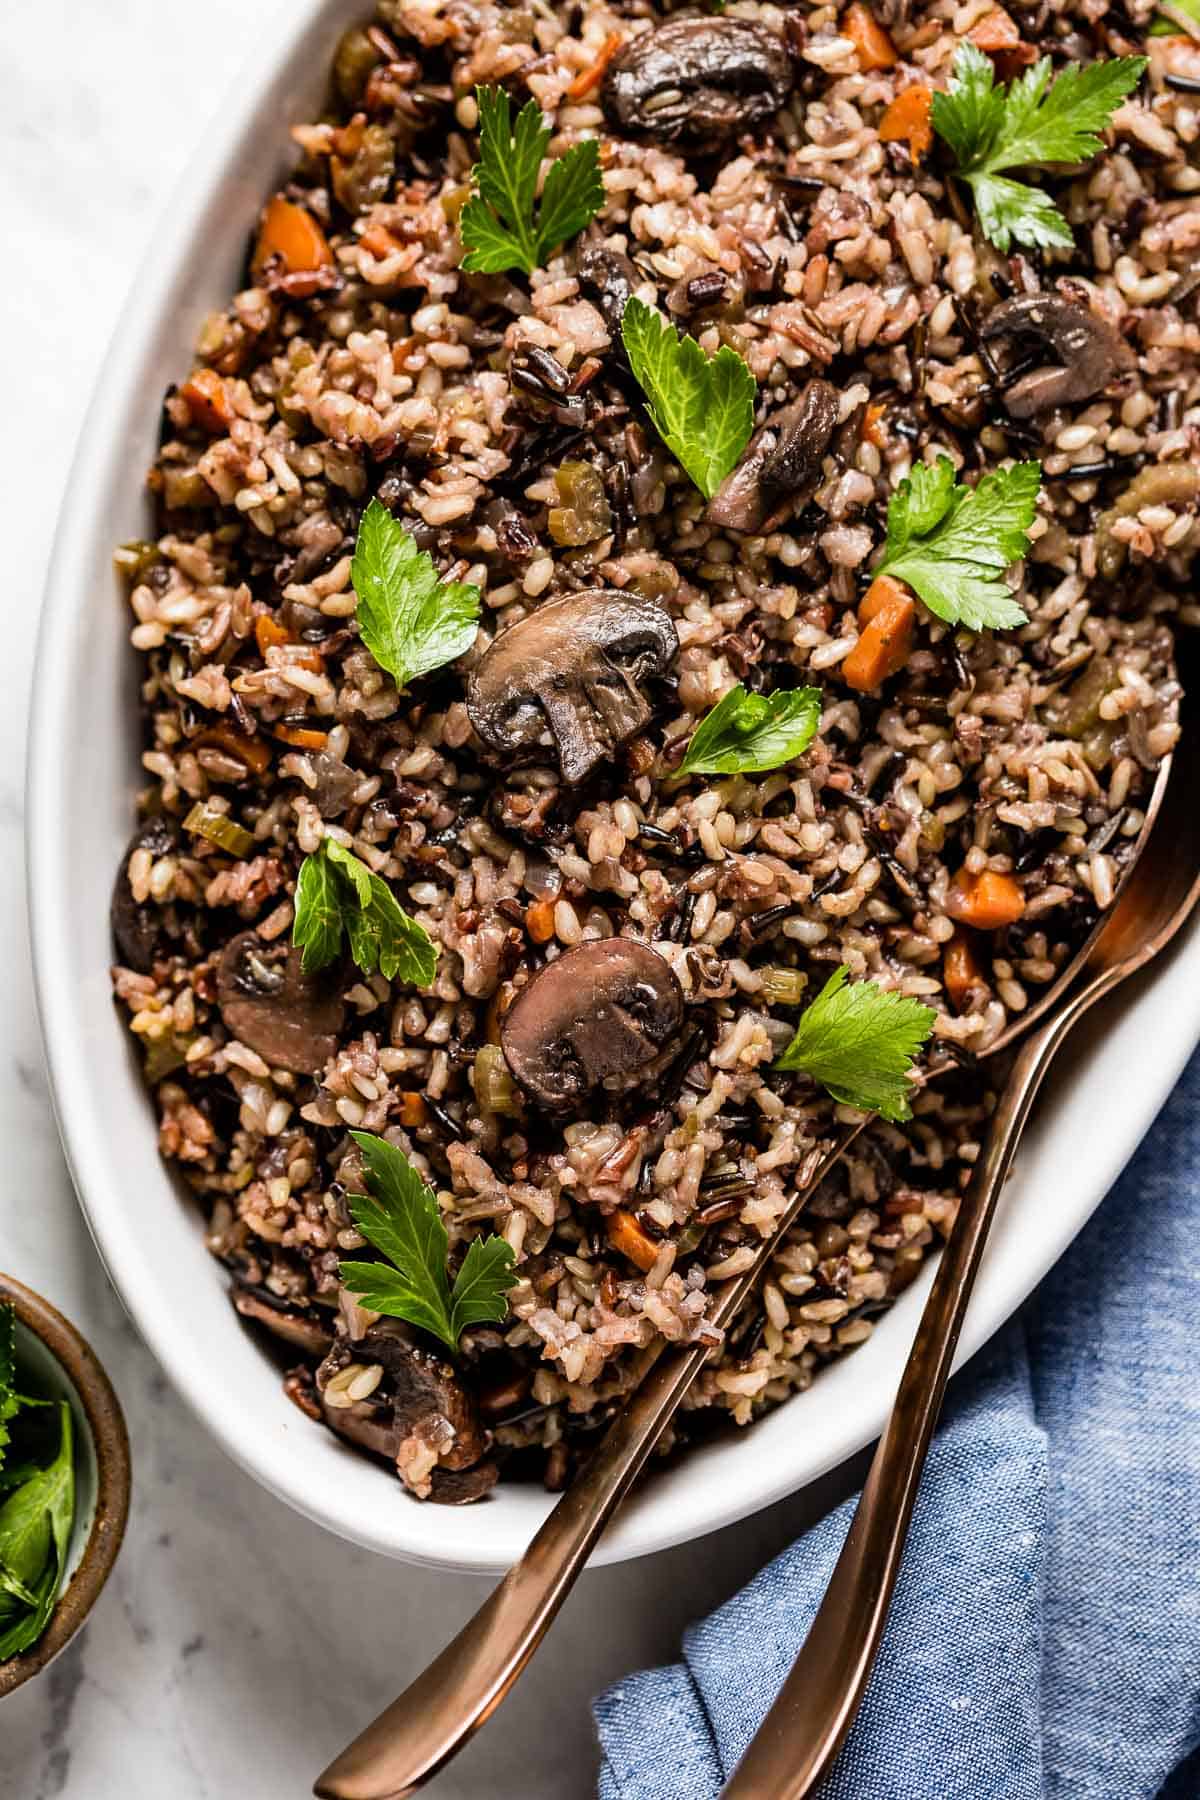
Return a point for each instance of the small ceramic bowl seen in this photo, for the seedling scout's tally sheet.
(65, 1365)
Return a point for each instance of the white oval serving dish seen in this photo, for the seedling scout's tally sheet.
(83, 776)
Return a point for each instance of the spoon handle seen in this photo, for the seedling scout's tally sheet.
(815, 1708)
(419, 1732)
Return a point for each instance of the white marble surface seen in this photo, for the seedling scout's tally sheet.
(237, 1646)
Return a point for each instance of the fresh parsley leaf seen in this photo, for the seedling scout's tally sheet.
(337, 892)
(503, 226)
(400, 1217)
(1032, 120)
(859, 1041)
(701, 406)
(952, 543)
(35, 1534)
(410, 619)
(745, 733)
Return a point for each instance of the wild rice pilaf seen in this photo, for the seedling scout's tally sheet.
(496, 418)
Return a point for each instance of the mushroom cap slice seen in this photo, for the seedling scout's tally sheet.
(782, 458)
(573, 666)
(1087, 351)
(603, 1009)
(698, 80)
(291, 1019)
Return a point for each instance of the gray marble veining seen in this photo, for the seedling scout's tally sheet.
(232, 1628)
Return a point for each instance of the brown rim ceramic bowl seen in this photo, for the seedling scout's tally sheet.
(65, 1365)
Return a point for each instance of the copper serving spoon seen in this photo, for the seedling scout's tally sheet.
(436, 1715)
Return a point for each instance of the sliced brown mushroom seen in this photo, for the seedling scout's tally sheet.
(573, 666)
(427, 1393)
(137, 926)
(1087, 351)
(782, 458)
(301, 1331)
(602, 1010)
(611, 278)
(697, 79)
(426, 1401)
(267, 1002)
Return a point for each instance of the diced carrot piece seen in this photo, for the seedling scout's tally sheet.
(413, 1110)
(290, 233)
(380, 242)
(626, 1236)
(961, 972)
(539, 921)
(251, 750)
(885, 643)
(882, 592)
(908, 117)
(988, 901)
(591, 78)
(874, 47)
(999, 36)
(873, 425)
(208, 400)
(268, 633)
(301, 737)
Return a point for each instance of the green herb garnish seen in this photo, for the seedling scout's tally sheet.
(952, 543)
(701, 406)
(503, 225)
(410, 619)
(1032, 120)
(337, 892)
(746, 733)
(37, 1511)
(859, 1041)
(400, 1217)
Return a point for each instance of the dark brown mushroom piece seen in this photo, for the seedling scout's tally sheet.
(600, 1012)
(137, 926)
(298, 1330)
(267, 1002)
(1085, 352)
(426, 1401)
(609, 278)
(572, 668)
(698, 80)
(780, 462)
(462, 1487)
(427, 1394)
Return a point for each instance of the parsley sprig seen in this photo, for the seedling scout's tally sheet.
(991, 129)
(410, 619)
(400, 1217)
(503, 225)
(859, 1040)
(701, 406)
(746, 733)
(952, 543)
(336, 893)
(37, 1504)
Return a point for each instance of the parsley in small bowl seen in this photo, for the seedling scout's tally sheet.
(64, 1482)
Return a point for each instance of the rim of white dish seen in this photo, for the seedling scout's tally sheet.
(717, 1485)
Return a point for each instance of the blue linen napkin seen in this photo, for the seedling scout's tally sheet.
(1044, 1639)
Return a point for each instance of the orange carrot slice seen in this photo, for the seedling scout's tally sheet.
(874, 47)
(988, 901)
(626, 1236)
(908, 118)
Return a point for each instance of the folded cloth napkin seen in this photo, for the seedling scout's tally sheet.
(1044, 1638)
